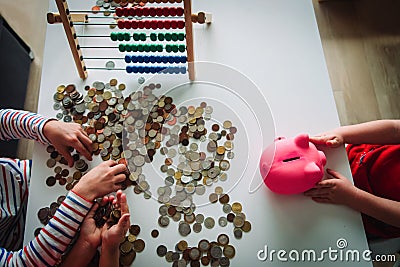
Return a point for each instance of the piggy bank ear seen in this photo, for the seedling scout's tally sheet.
(302, 140)
(312, 170)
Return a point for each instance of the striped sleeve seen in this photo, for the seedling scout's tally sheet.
(53, 239)
(15, 124)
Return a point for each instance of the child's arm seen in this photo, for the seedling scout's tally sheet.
(374, 132)
(339, 190)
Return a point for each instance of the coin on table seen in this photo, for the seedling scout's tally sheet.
(203, 245)
(126, 247)
(238, 233)
(224, 262)
(237, 207)
(213, 197)
(200, 218)
(126, 260)
(163, 221)
(138, 245)
(197, 227)
(209, 223)
(229, 251)
(182, 245)
(50, 181)
(222, 221)
(216, 252)
(238, 222)
(184, 229)
(246, 227)
(224, 199)
(161, 250)
(223, 239)
(195, 254)
(134, 229)
(168, 256)
(230, 217)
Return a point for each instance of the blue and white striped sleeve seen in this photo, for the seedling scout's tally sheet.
(15, 124)
(46, 249)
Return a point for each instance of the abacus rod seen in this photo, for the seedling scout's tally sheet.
(113, 47)
(91, 11)
(101, 68)
(93, 24)
(135, 17)
(114, 58)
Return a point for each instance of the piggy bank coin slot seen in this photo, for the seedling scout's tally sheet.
(291, 159)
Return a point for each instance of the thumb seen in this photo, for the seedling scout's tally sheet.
(334, 174)
(92, 211)
(65, 153)
(124, 222)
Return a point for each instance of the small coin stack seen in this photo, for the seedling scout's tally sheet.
(215, 253)
(130, 246)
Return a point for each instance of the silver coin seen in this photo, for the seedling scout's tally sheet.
(163, 210)
(139, 160)
(200, 218)
(222, 221)
(209, 222)
(57, 106)
(184, 229)
(197, 227)
(141, 80)
(163, 221)
(200, 189)
(227, 208)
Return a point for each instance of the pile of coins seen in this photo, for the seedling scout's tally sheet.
(46, 213)
(107, 214)
(130, 246)
(215, 253)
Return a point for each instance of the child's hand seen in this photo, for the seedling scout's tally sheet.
(113, 236)
(328, 139)
(337, 190)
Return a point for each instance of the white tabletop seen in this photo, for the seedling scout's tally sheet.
(276, 45)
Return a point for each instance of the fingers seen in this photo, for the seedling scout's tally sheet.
(119, 168)
(121, 199)
(92, 211)
(67, 155)
(333, 143)
(321, 200)
(334, 174)
(318, 140)
(317, 192)
(124, 222)
(87, 145)
(119, 178)
(79, 146)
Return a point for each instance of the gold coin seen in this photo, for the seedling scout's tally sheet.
(227, 124)
(220, 150)
(126, 247)
(121, 86)
(131, 238)
(113, 82)
(182, 245)
(138, 245)
(61, 89)
(107, 95)
(229, 251)
(237, 207)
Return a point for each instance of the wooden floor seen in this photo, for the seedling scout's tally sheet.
(361, 41)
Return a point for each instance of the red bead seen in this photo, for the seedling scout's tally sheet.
(126, 11)
(167, 24)
(152, 12)
(174, 24)
(140, 24)
(159, 11)
(165, 11)
(179, 11)
(160, 24)
(147, 24)
(181, 24)
(134, 24)
(120, 24)
(153, 24)
(132, 12)
(127, 24)
(119, 11)
(139, 12)
(146, 11)
(172, 11)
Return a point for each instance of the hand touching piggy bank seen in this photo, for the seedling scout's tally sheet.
(297, 165)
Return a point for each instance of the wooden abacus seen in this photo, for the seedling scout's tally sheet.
(69, 18)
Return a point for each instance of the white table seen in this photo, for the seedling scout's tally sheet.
(276, 44)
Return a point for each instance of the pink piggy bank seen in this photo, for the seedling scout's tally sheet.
(297, 165)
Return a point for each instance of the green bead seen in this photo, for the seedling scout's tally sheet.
(140, 48)
(161, 37)
(136, 37)
(175, 48)
(153, 48)
(168, 48)
(128, 48)
(113, 36)
(143, 37)
(181, 36)
(181, 48)
(121, 48)
(153, 37)
(168, 37)
(134, 48)
(160, 48)
(146, 48)
(120, 36)
(127, 36)
(174, 37)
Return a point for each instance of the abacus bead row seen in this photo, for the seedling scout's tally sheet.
(125, 2)
(126, 36)
(156, 59)
(151, 48)
(155, 69)
(149, 12)
(151, 24)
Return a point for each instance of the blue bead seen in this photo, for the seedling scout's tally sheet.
(177, 60)
(183, 59)
(135, 69)
(134, 59)
(146, 69)
(183, 70)
(146, 59)
(163, 69)
(140, 59)
(172, 59)
(153, 70)
(128, 69)
(128, 59)
(158, 59)
(140, 69)
(152, 59)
